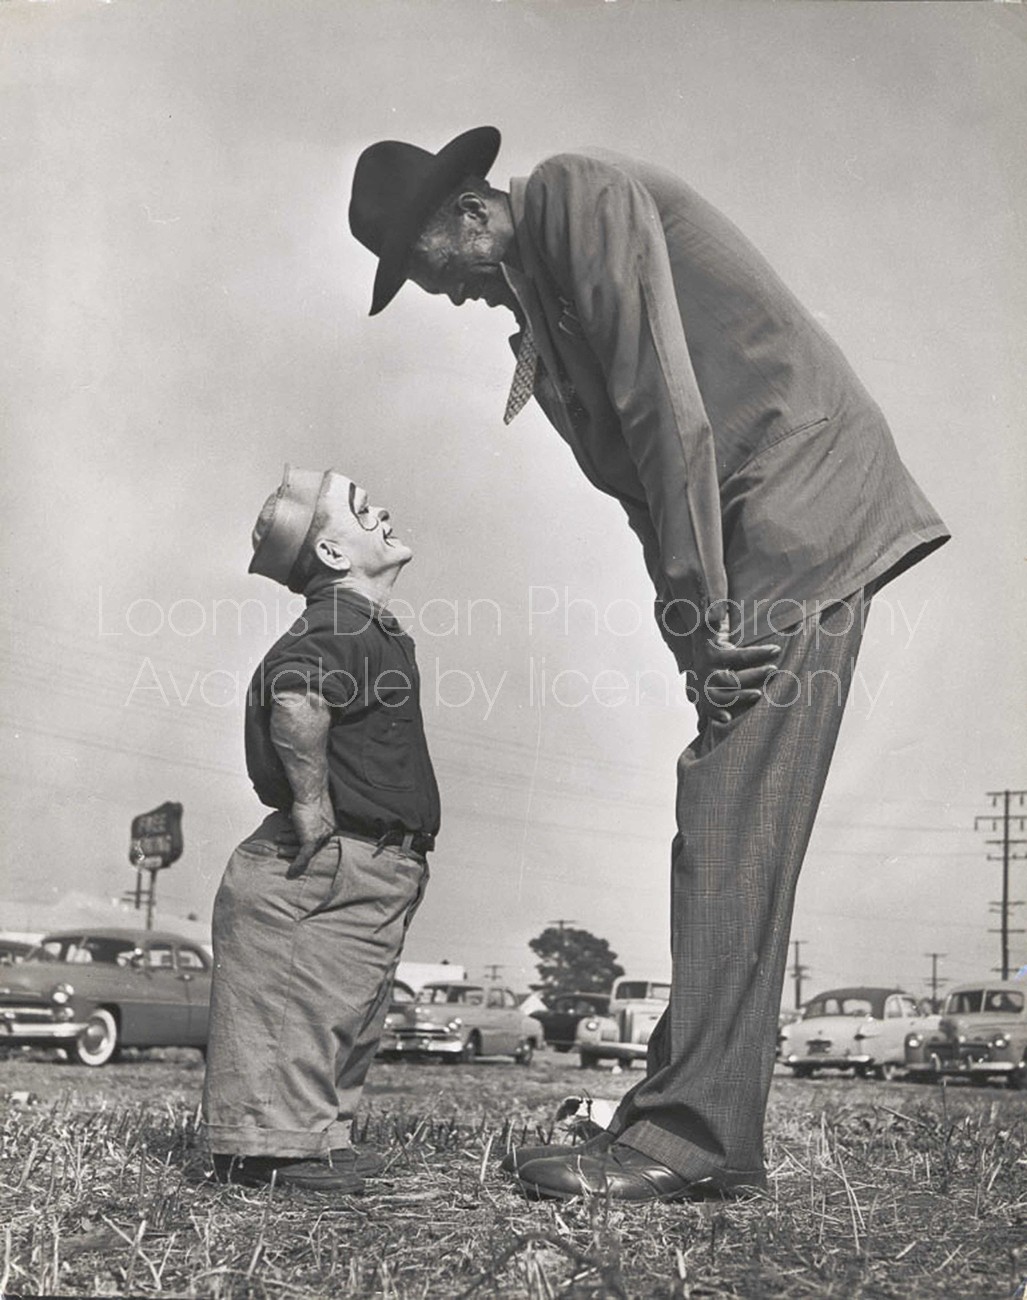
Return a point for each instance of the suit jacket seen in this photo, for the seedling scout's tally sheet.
(692, 385)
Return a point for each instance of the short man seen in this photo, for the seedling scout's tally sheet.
(311, 916)
(764, 486)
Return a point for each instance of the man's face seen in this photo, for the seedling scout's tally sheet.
(360, 531)
(463, 259)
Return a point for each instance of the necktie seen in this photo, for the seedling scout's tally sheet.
(524, 374)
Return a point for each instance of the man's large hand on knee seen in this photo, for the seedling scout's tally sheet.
(726, 679)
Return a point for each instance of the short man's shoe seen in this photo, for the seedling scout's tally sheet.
(624, 1174)
(516, 1158)
(364, 1161)
(310, 1175)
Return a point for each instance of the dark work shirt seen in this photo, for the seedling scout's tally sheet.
(356, 657)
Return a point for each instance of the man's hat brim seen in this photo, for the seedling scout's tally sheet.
(471, 153)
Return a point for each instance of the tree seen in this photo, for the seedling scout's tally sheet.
(573, 961)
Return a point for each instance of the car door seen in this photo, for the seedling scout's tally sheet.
(495, 1031)
(156, 1010)
(194, 974)
(889, 1044)
(512, 1023)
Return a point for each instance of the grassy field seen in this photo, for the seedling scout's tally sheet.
(876, 1191)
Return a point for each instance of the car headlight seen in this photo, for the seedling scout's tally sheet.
(455, 1023)
(914, 1040)
(1000, 1041)
(961, 1038)
(592, 1025)
(62, 994)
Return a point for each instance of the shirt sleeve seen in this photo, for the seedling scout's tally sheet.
(322, 663)
(603, 241)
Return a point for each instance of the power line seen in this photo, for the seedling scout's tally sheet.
(1002, 799)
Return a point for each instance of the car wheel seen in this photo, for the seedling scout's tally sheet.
(887, 1071)
(525, 1052)
(98, 1042)
(589, 1060)
(1018, 1078)
(471, 1049)
(560, 1047)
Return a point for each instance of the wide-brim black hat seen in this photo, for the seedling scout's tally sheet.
(397, 187)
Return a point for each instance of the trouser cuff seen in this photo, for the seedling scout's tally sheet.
(230, 1140)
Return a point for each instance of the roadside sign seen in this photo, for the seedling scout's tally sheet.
(156, 838)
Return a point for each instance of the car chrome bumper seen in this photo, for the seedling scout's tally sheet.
(826, 1061)
(615, 1051)
(961, 1069)
(21, 1035)
(418, 1046)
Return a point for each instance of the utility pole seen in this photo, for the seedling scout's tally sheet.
(798, 971)
(1003, 816)
(935, 958)
(492, 971)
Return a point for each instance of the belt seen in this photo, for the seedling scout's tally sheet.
(410, 841)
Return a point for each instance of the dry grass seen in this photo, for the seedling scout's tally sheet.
(877, 1191)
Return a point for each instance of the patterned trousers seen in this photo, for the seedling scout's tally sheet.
(748, 792)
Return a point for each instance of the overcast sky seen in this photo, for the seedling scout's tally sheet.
(185, 310)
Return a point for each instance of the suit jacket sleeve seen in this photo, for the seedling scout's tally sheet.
(600, 235)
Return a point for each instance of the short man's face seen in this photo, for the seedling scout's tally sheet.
(362, 532)
(463, 259)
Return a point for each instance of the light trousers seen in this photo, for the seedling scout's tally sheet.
(302, 972)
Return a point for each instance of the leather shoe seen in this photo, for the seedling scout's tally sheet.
(624, 1174)
(364, 1161)
(517, 1157)
(310, 1175)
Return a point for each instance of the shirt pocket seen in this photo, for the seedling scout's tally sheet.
(388, 754)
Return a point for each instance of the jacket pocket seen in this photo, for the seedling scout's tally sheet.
(806, 427)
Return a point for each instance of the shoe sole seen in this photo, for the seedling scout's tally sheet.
(534, 1192)
(697, 1191)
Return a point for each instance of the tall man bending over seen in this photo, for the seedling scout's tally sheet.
(310, 918)
(764, 486)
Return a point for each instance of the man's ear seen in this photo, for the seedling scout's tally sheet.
(474, 206)
(331, 555)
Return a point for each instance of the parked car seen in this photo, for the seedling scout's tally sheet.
(786, 1017)
(458, 1021)
(623, 1033)
(94, 992)
(13, 951)
(399, 999)
(560, 1019)
(981, 1036)
(862, 1030)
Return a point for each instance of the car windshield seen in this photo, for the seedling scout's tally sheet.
(970, 1001)
(833, 1005)
(965, 1002)
(449, 993)
(636, 989)
(83, 950)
